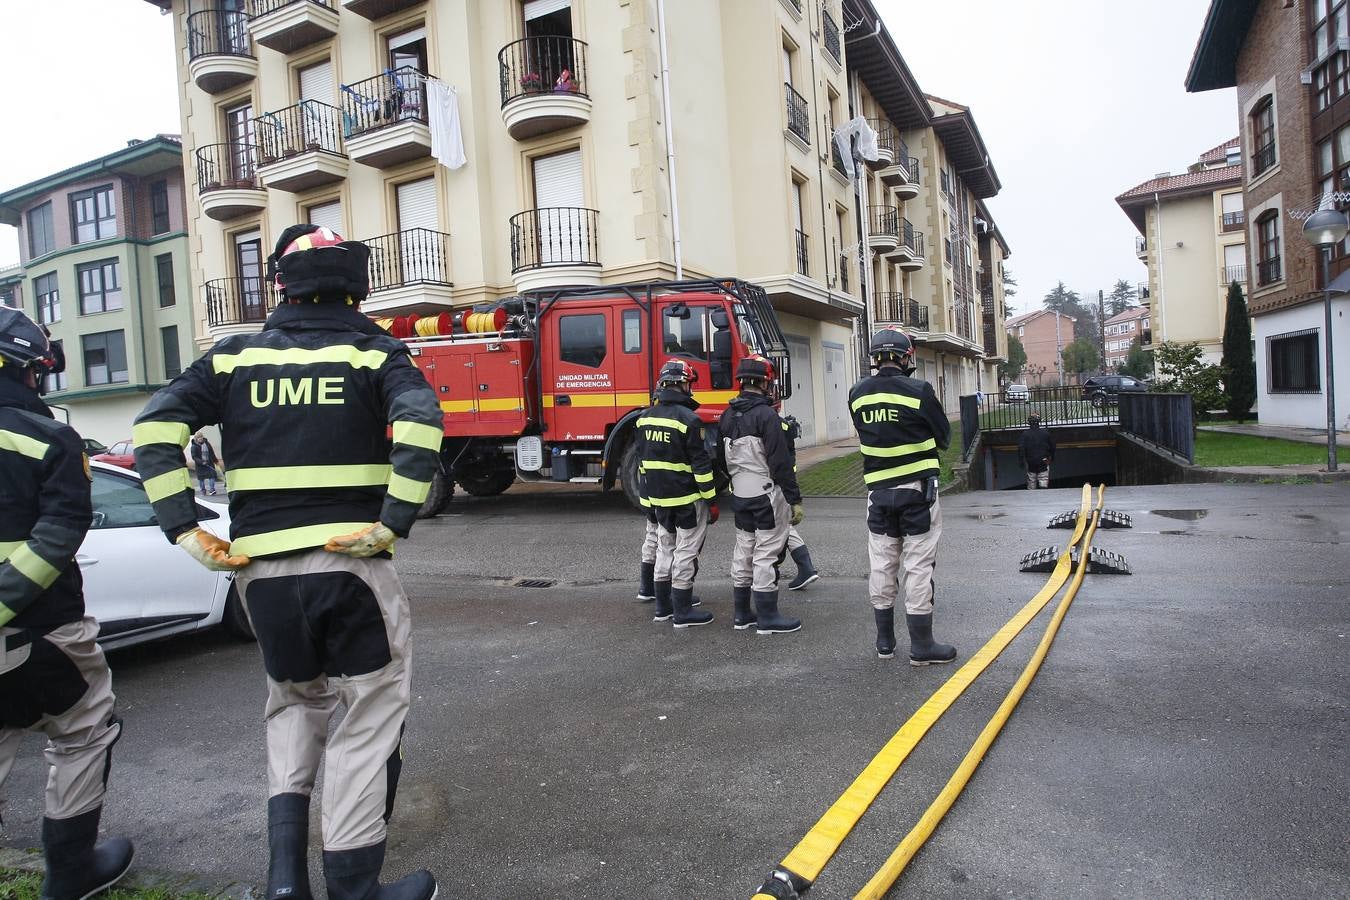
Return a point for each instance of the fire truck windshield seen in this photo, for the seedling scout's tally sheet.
(749, 332)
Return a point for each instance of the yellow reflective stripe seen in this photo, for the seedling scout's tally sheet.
(143, 433)
(501, 404)
(643, 501)
(676, 501)
(634, 398)
(707, 495)
(648, 465)
(899, 449)
(23, 444)
(6, 614)
(456, 406)
(408, 489)
(8, 547)
(715, 398)
(703, 477)
(877, 399)
(415, 434)
(660, 422)
(897, 471)
(33, 567)
(167, 485)
(298, 356)
(288, 539)
(277, 478)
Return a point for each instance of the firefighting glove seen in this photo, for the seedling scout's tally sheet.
(713, 513)
(210, 551)
(798, 513)
(366, 542)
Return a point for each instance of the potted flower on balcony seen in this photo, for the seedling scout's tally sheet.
(531, 83)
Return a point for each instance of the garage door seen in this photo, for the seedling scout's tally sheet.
(802, 403)
(838, 424)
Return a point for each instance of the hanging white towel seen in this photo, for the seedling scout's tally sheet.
(447, 141)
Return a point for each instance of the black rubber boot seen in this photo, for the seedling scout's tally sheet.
(806, 572)
(355, 875)
(288, 844)
(767, 619)
(646, 592)
(685, 616)
(78, 866)
(885, 632)
(745, 614)
(922, 649)
(664, 611)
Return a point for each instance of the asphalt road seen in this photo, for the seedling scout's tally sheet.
(1188, 735)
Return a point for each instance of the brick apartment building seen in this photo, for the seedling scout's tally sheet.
(1044, 335)
(1122, 330)
(1290, 63)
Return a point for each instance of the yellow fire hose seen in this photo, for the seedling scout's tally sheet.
(805, 862)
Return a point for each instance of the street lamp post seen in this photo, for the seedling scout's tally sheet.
(1325, 229)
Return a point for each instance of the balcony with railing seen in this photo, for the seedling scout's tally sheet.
(837, 161)
(227, 181)
(1269, 271)
(409, 267)
(798, 115)
(554, 247)
(1230, 274)
(902, 175)
(1140, 246)
(909, 253)
(544, 85)
(843, 272)
(236, 305)
(1263, 159)
(300, 147)
(1233, 221)
(220, 52)
(894, 308)
(378, 9)
(384, 118)
(886, 140)
(290, 25)
(829, 35)
(883, 228)
(803, 256)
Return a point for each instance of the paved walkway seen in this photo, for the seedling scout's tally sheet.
(1284, 432)
(809, 456)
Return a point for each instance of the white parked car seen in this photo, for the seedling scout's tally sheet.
(138, 585)
(1016, 393)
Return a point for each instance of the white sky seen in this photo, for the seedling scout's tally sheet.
(1077, 100)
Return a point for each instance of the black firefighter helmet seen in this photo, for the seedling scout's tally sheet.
(314, 263)
(891, 346)
(24, 344)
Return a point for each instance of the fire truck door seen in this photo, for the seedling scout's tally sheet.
(633, 384)
(687, 333)
(579, 374)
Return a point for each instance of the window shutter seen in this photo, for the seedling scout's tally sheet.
(537, 9)
(316, 83)
(557, 180)
(327, 215)
(417, 205)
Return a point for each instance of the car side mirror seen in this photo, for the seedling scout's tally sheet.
(678, 311)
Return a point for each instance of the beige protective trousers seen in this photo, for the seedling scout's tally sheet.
(332, 628)
(59, 684)
(902, 542)
(680, 533)
(762, 530)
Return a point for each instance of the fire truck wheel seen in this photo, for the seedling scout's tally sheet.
(438, 498)
(488, 483)
(628, 474)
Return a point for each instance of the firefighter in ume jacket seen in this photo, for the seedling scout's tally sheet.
(765, 495)
(53, 677)
(317, 498)
(677, 480)
(901, 427)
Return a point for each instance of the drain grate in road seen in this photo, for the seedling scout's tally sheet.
(533, 582)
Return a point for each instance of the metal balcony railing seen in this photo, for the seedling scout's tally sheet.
(892, 306)
(411, 256)
(239, 301)
(1269, 271)
(218, 32)
(830, 35)
(554, 236)
(1230, 274)
(260, 8)
(307, 126)
(803, 260)
(883, 220)
(902, 156)
(911, 238)
(798, 115)
(885, 133)
(1263, 158)
(542, 65)
(836, 160)
(396, 95)
(1140, 245)
(1233, 221)
(227, 167)
(843, 272)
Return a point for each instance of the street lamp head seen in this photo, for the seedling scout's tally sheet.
(1326, 227)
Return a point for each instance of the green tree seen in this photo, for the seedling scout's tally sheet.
(1182, 369)
(1080, 356)
(1069, 303)
(1239, 368)
(1009, 289)
(1063, 300)
(1139, 362)
(1120, 298)
(1017, 360)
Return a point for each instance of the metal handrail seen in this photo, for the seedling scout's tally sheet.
(307, 126)
(890, 306)
(232, 166)
(393, 96)
(554, 236)
(218, 32)
(239, 301)
(798, 114)
(411, 256)
(1269, 271)
(259, 8)
(830, 35)
(885, 133)
(884, 220)
(1263, 158)
(1230, 274)
(547, 64)
(1233, 221)
(911, 238)
(803, 258)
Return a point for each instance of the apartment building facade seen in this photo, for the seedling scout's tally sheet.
(1290, 64)
(1044, 334)
(104, 265)
(1193, 239)
(1122, 330)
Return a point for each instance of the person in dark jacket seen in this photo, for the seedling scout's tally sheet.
(676, 475)
(318, 495)
(53, 677)
(204, 462)
(766, 499)
(1036, 450)
(901, 429)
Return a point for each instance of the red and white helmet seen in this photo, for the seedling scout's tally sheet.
(313, 262)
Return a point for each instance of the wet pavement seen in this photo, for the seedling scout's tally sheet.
(1188, 735)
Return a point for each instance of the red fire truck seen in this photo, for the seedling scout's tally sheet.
(547, 387)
